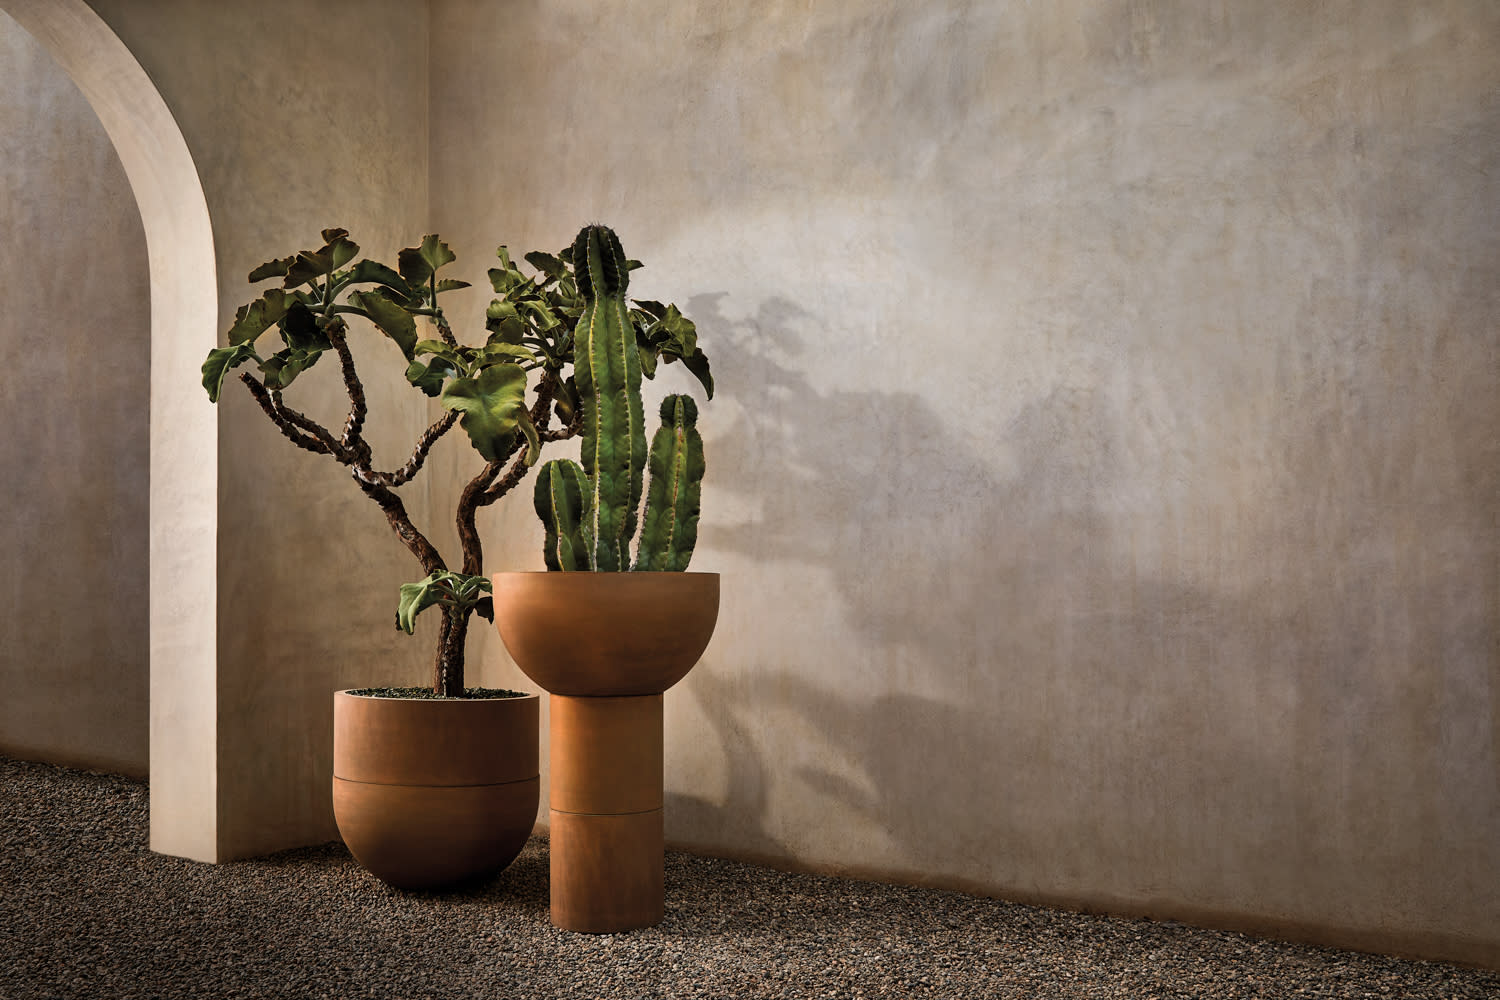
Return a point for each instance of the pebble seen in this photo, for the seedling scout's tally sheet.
(86, 910)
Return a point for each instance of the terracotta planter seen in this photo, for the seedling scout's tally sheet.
(606, 645)
(606, 634)
(429, 792)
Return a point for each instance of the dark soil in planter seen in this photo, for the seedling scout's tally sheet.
(426, 692)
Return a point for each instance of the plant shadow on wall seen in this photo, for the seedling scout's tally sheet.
(947, 734)
(1027, 679)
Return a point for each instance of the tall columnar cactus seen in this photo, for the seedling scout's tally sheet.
(608, 370)
(590, 511)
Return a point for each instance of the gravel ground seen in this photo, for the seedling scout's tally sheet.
(87, 911)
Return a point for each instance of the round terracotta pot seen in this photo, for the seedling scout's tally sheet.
(606, 634)
(429, 792)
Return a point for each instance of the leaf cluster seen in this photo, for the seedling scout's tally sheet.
(455, 591)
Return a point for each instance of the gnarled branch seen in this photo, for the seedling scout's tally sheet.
(413, 465)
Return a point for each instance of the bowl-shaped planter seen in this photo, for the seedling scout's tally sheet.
(432, 791)
(606, 634)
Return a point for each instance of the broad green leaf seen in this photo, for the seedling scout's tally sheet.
(340, 249)
(697, 363)
(431, 376)
(252, 320)
(508, 281)
(218, 363)
(551, 266)
(648, 360)
(455, 355)
(284, 366)
(416, 598)
(392, 320)
(493, 404)
(451, 284)
(502, 320)
(503, 253)
(675, 334)
(541, 315)
(308, 266)
(498, 351)
(271, 269)
(417, 264)
(300, 330)
(367, 271)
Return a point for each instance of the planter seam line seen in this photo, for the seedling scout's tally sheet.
(637, 812)
(407, 784)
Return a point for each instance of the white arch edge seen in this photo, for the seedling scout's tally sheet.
(184, 425)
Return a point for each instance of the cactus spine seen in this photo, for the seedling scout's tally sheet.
(590, 510)
(607, 366)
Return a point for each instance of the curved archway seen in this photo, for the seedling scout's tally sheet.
(184, 426)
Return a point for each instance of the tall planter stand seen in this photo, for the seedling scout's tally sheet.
(606, 646)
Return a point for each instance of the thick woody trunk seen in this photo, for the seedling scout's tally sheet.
(448, 670)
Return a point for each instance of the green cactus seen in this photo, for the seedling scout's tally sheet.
(590, 511)
(607, 366)
(562, 497)
(670, 527)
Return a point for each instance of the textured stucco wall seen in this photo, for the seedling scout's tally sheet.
(75, 350)
(296, 126)
(1104, 470)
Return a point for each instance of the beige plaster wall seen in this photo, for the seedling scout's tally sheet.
(295, 127)
(1104, 467)
(75, 349)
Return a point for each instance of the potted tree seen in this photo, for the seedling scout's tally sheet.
(432, 785)
(604, 634)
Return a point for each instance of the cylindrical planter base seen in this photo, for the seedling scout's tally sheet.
(607, 871)
(606, 812)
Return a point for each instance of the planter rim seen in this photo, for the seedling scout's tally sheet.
(519, 696)
(596, 574)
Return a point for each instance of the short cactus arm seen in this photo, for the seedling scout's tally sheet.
(607, 367)
(670, 527)
(561, 498)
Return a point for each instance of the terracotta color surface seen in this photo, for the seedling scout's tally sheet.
(603, 634)
(415, 741)
(427, 793)
(606, 871)
(420, 837)
(606, 754)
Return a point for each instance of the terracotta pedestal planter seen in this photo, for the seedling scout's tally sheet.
(429, 792)
(606, 646)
